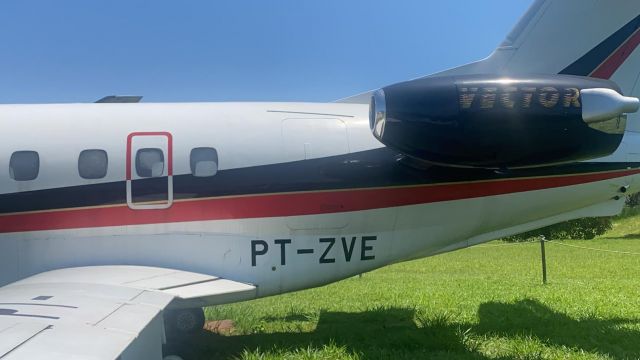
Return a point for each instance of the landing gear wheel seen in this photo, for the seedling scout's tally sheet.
(184, 321)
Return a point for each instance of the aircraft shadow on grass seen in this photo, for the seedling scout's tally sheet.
(400, 333)
(534, 319)
(627, 236)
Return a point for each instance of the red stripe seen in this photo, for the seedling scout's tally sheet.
(613, 62)
(290, 204)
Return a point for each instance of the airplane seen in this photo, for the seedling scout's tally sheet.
(120, 220)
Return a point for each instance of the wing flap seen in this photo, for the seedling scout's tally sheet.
(171, 280)
(102, 312)
(214, 292)
(78, 320)
(190, 289)
(72, 342)
(13, 334)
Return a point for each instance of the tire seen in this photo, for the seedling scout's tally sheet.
(185, 321)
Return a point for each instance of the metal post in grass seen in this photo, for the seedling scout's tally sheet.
(544, 260)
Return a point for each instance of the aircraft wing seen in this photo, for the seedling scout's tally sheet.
(102, 312)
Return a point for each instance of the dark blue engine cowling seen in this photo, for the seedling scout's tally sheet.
(493, 122)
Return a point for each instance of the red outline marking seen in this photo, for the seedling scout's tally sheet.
(289, 204)
(617, 58)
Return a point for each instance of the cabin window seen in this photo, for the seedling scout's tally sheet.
(149, 162)
(92, 164)
(24, 165)
(204, 161)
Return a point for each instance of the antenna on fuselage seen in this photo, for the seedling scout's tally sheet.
(120, 99)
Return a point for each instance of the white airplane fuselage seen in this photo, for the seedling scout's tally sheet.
(303, 194)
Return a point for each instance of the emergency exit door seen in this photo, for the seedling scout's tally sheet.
(149, 170)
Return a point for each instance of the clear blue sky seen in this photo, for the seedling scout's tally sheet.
(219, 50)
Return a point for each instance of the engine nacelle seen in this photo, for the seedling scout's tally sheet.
(501, 122)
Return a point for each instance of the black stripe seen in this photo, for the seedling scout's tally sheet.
(374, 168)
(591, 60)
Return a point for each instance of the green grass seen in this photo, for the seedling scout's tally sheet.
(485, 302)
(627, 225)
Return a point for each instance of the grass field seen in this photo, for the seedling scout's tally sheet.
(485, 302)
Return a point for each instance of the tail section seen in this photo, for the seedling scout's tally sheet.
(604, 60)
(598, 38)
(574, 37)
